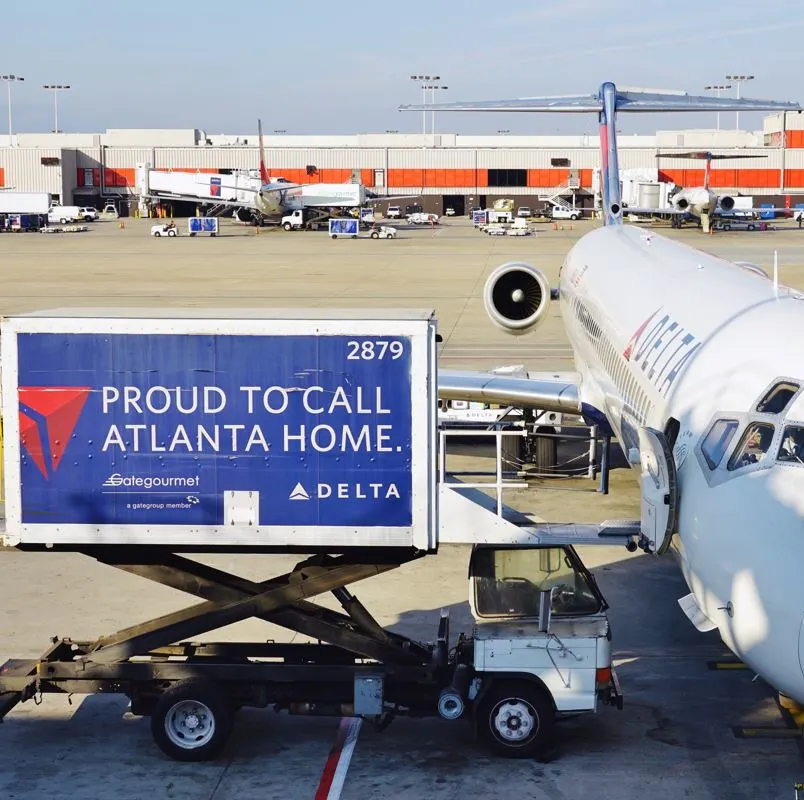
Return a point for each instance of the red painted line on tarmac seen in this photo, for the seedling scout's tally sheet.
(337, 764)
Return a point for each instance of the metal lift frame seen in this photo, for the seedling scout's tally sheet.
(137, 661)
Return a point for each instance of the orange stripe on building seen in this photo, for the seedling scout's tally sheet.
(2, 177)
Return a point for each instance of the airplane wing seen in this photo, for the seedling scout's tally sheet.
(628, 100)
(548, 391)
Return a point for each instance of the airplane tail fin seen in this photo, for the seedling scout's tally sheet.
(607, 102)
(264, 177)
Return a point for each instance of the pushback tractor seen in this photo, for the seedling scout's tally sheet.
(132, 437)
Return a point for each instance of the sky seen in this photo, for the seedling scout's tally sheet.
(318, 67)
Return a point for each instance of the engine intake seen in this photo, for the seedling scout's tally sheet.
(727, 203)
(516, 296)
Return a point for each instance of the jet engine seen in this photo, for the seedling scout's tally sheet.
(516, 296)
(727, 203)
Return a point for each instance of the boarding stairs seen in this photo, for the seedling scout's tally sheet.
(558, 193)
(468, 514)
(217, 210)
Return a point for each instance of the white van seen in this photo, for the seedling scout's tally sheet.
(61, 215)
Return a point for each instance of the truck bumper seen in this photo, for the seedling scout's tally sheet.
(612, 694)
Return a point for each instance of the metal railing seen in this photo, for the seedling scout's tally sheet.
(499, 484)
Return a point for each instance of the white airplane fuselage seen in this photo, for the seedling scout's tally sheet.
(663, 331)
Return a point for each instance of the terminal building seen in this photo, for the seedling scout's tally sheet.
(447, 170)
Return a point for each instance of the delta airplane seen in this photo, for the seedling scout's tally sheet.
(277, 196)
(678, 354)
(698, 201)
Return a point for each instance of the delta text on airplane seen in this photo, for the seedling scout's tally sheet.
(697, 369)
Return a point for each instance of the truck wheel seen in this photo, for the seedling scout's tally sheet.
(171, 233)
(512, 450)
(157, 233)
(63, 221)
(354, 237)
(545, 451)
(516, 719)
(573, 217)
(192, 721)
(287, 226)
(375, 235)
(334, 235)
(389, 235)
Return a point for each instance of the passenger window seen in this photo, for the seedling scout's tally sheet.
(717, 441)
(754, 445)
(791, 449)
(776, 400)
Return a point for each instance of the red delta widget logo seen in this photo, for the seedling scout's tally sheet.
(48, 416)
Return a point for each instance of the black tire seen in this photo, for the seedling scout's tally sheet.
(389, 235)
(507, 709)
(192, 234)
(354, 237)
(211, 713)
(750, 226)
(727, 226)
(375, 235)
(171, 233)
(287, 226)
(574, 217)
(63, 221)
(157, 233)
(545, 451)
(334, 235)
(512, 450)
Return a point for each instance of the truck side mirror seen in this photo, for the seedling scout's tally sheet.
(545, 610)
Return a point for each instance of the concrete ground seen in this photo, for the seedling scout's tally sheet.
(675, 736)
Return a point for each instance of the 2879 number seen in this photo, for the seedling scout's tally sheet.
(374, 350)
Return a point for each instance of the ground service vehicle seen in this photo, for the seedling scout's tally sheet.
(558, 211)
(422, 218)
(88, 213)
(344, 226)
(64, 214)
(164, 229)
(348, 406)
(384, 232)
(208, 225)
(24, 202)
(524, 212)
(393, 212)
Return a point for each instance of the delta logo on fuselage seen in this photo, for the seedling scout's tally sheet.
(661, 349)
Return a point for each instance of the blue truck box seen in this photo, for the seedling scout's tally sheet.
(202, 225)
(220, 429)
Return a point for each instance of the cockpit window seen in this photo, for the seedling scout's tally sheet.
(777, 399)
(717, 441)
(753, 446)
(791, 450)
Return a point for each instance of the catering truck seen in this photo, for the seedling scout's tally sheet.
(24, 202)
(131, 436)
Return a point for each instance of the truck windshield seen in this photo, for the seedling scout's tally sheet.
(507, 583)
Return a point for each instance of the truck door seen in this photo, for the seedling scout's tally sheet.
(659, 491)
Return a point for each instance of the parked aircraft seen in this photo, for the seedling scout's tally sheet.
(698, 201)
(677, 354)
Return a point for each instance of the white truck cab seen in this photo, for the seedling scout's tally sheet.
(541, 647)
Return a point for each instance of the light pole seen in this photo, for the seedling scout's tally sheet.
(433, 89)
(56, 88)
(718, 88)
(9, 79)
(423, 81)
(738, 79)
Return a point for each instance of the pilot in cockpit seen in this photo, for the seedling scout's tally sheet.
(792, 448)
